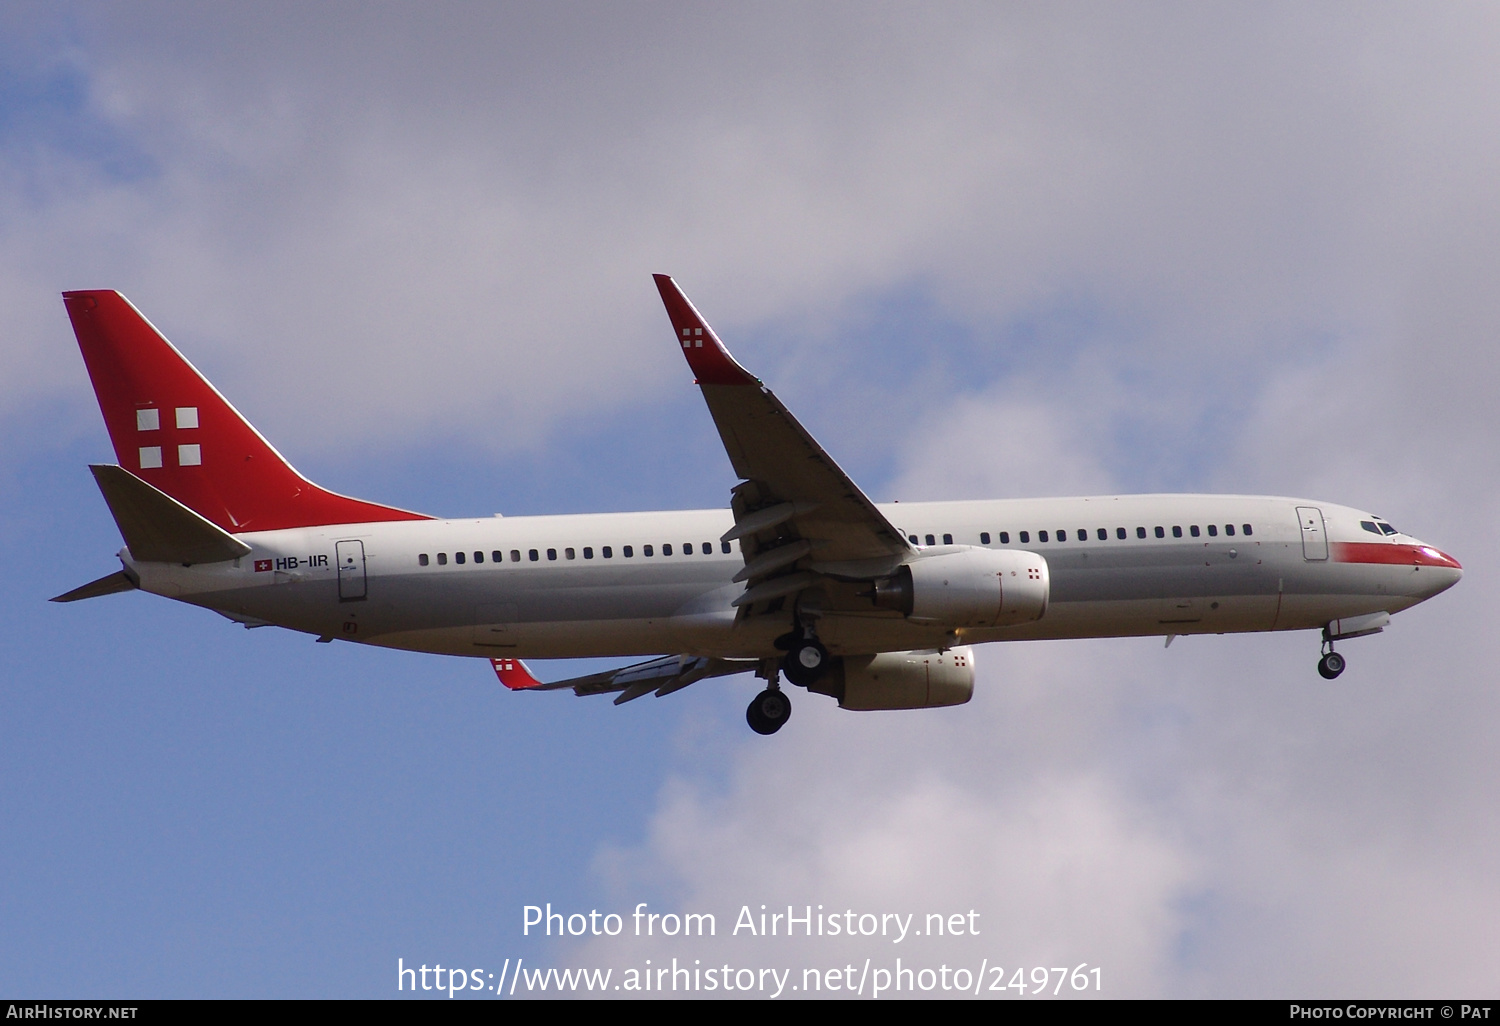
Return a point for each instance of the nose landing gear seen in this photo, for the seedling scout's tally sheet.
(1332, 664)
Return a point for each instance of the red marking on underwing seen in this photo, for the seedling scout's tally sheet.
(514, 674)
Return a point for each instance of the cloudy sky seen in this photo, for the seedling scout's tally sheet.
(990, 250)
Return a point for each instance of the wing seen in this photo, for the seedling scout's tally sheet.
(663, 676)
(797, 515)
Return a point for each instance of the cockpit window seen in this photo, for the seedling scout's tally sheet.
(1387, 529)
(1369, 525)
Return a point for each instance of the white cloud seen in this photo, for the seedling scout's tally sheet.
(453, 217)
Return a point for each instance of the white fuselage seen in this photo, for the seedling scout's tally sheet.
(617, 584)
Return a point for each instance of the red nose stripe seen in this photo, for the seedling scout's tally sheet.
(1382, 552)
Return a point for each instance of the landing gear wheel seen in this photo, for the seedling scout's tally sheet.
(1331, 665)
(768, 711)
(805, 663)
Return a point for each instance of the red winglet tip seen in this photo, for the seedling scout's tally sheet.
(514, 674)
(709, 361)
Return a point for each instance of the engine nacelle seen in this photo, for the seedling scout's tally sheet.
(969, 587)
(900, 680)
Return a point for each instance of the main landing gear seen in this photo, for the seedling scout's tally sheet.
(804, 662)
(768, 711)
(805, 659)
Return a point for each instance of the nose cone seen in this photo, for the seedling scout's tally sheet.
(1447, 559)
(1414, 569)
(1435, 570)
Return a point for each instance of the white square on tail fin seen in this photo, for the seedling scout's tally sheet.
(150, 456)
(189, 456)
(148, 420)
(187, 416)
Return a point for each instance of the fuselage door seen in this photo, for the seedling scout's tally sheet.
(351, 557)
(1314, 539)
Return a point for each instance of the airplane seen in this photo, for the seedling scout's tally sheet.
(878, 606)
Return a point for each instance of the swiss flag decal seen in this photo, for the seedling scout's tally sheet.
(262, 564)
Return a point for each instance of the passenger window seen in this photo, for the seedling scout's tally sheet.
(1246, 529)
(422, 559)
(947, 539)
(458, 557)
(588, 552)
(532, 555)
(984, 537)
(1176, 531)
(646, 550)
(497, 556)
(1160, 533)
(569, 554)
(1062, 536)
(442, 559)
(1229, 530)
(726, 547)
(687, 548)
(607, 552)
(1140, 532)
(1025, 538)
(913, 539)
(515, 555)
(551, 553)
(1004, 537)
(931, 540)
(1104, 534)
(1213, 530)
(666, 550)
(1041, 536)
(479, 557)
(1193, 530)
(628, 551)
(1120, 533)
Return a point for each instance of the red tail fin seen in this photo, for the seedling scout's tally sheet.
(174, 430)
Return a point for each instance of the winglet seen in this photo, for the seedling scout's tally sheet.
(514, 674)
(706, 355)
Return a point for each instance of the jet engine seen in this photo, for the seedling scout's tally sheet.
(900, 680)
(969, 587)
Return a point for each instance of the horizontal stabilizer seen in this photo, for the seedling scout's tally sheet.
(663, 675)
(107, 585)
(159, 529)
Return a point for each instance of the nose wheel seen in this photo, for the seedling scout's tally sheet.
(1331, 665)
(768, 711)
